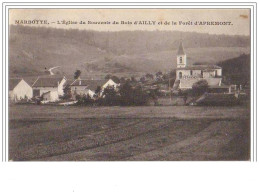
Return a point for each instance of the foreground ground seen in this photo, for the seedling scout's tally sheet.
(128, 133)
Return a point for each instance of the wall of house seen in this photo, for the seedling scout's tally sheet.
(209, 74)
(21, 91)
(45, 89)
(198, 73)
(51, 96)
(81, 90)
(61, 87)
(219, 72)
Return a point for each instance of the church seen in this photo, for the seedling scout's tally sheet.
(187, 75)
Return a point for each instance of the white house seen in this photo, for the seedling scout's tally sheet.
(50, 96)
(49, 84)
(19, 89)
(88, 87)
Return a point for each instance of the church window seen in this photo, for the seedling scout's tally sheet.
(180, 75)
(181, 60)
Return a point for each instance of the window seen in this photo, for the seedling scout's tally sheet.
(181, 60)
(191, 72)
(180, 75)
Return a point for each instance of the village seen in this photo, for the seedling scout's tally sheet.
(187, 85)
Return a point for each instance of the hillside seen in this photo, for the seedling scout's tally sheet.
(236, 70)
(31, 50)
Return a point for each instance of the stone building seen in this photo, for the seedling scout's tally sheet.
(187, 75)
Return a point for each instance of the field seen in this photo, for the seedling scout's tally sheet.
(57, 133)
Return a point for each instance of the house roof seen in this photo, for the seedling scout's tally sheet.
(47, 81)
(69, 82)
(200, 67)
(90, 84)
(13, 83)
(180, 49)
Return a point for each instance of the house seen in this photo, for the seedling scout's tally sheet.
(49, 84)
(50, 96)
(19, 89)
(88, 87)
(187, 75)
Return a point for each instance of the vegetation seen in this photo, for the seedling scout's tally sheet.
(77, 74)
(67, 93)
(200, 87)
(126, 95)
(236, 70)
(33, 49)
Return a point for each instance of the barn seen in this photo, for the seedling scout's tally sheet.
(19, 89)
(48, 84)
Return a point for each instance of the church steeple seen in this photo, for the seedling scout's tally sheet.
(181, 56)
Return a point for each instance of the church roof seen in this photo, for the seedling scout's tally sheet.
(181, 50)
(200, 67)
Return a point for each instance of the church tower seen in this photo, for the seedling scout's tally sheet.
(181, 57)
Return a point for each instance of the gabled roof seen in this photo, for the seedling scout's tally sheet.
(49, 81)
(13, 83)
(200, 67)
(181, 50)
(90, 84)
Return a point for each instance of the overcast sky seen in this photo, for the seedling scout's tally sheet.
(239, 18)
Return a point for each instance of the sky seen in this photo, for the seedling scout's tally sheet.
(141, 19)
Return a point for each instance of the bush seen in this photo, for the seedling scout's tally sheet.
(84, 100)
(125, 96)
(200, 87)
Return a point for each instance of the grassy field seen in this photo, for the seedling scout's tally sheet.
(57, 133)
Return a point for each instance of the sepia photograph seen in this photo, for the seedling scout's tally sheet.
(114, 84)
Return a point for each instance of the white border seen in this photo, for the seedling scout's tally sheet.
(133, 5)
(134, 177)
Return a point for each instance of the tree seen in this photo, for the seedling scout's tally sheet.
(130, 96)
(77, 74)
(159, 76)
(110, 96)
(149, 76)
(98, 91)
(122, 80)
(84, 99)
(108, 76)
(142, 79)
(126, 93)
(133, 79)
(67, 92)
(200, 87)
